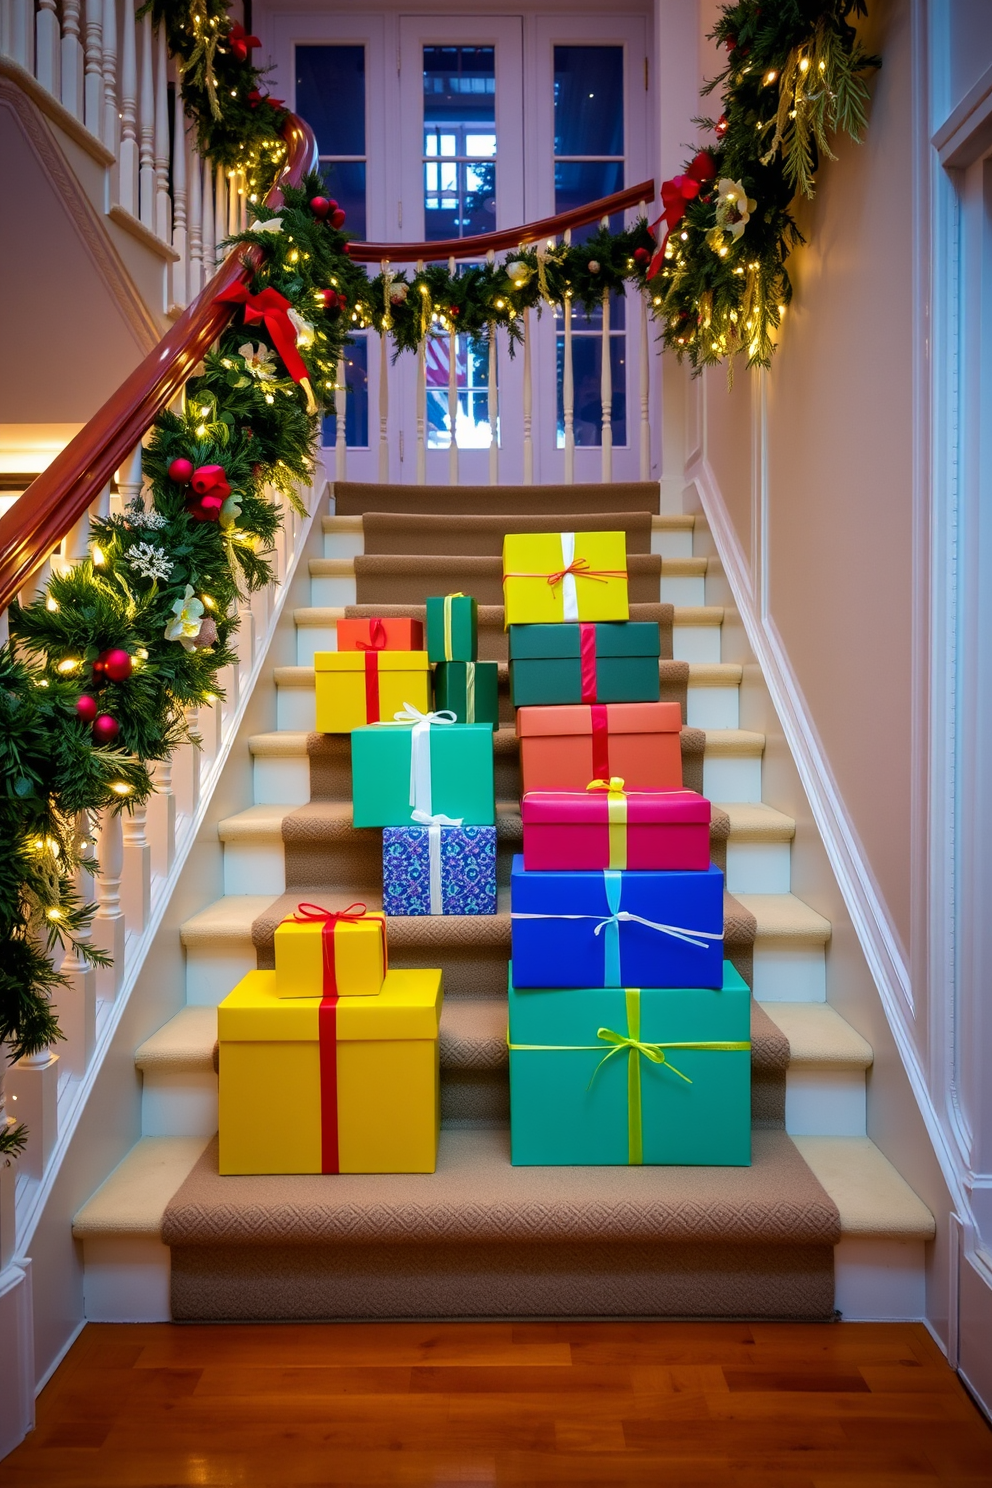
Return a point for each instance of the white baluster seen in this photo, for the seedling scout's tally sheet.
(129, 478)
(108, 926)
(209, 246)
(72, 58)
(32, 1096)
(421, 402)
(136, 894)
(146, 126)
(20, 32)
(48, 41)
(568, 391)
(233, 204)
(180, 268)
(384, 389)
(492, 402)
(195, 228)
(220, 212)
(93, 65)
(528, 405)
(453, 395)
(161, 818)
(163, 205)
(128, 158)
(606, 393)
(645, 391)
(340, 438)
(75, 1004)
(110, 129)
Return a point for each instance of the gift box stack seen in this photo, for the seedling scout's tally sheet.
(629, 1034)
(424, 776)
(329, 1064)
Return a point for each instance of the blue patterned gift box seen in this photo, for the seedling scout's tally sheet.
(464, 870)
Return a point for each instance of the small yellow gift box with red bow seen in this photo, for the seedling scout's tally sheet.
(324, 953)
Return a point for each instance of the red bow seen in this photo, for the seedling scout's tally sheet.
(255, 98)
(377, 637)
(212, 490)
(312, 914)
(241, 43)
(675, 196)
(579, 567)
(272, 308)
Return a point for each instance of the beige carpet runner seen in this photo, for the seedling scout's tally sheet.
(479, 1237)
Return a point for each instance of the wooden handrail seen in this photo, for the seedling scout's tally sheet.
(55, 501)
(507, 237)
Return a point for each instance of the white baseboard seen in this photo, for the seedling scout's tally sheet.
(16, 1356)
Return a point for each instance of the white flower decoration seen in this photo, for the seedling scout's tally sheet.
(272, 225)
(304, 330)
(152, 562)
(519, 272)
(137, 517)
(259, 361)
(189, 617)
(733, 207)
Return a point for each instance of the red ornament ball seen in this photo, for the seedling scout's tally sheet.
(453, 310)
(181, 471)
(115, 664)
(337, 217)
(641, 256)
(105, 728)
(86, 707)
(320, 206)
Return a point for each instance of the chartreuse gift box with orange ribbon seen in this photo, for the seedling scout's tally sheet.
(359, 687)
(550, 577)
(631, 1075)
(320, 952)
(330, 1084)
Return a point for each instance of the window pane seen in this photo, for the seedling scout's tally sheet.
(356, 400)
(582, 322)
(587, 362)
(472, 369)
(459, 86)
(464, 204)
(577, 184)
(588, 100)
(345, 181)
(330, 94)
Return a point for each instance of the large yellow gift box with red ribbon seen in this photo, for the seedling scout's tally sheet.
(359, 687)
(330, 1084)
(322, 952)
(550, 577)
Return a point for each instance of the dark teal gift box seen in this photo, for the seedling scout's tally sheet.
(631, 1075)
(605, 662)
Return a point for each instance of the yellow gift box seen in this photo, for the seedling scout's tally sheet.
(319, 1086)
(359, 687)
(322, 952)
(564, 576)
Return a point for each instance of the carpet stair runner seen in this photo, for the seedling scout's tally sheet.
(479, 1237)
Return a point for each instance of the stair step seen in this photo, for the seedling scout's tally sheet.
(875, 1201)
(218, 944)
(356, 497)
(732, 765)
(789, 964)
(759, 850)
(825, 1091)
(401, 578)
(345, 537)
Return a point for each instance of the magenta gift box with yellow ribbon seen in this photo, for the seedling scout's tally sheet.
(606, 826)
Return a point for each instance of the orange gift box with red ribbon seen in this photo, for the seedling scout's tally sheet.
(563, 749)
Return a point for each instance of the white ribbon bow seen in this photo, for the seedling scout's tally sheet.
(434, 825)
(420, 751)
(678, 932)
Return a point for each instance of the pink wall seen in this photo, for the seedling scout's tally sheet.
(838, 542)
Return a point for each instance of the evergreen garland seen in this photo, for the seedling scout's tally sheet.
(101, 667)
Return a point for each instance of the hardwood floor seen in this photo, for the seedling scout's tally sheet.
(687, 1405)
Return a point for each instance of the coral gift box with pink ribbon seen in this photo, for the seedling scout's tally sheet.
(324, 953)
(550, 577)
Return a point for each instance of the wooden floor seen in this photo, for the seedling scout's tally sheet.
(442, 1405)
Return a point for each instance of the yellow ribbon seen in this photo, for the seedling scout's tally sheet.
(470, 692)
(447, 627)
(616, 811)
(635, 1047)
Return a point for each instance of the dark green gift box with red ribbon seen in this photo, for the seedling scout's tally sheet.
(584, 662)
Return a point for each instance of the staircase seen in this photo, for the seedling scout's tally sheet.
(821, 1220)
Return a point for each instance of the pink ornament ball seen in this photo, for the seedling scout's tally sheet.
(641, 256)
(320, 206)
(115, 664)
(337, 217)
(105, 728)
(181, 471)
(86, 707)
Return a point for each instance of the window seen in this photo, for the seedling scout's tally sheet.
(459, 141)
(589, 163)
(356, 398)
(330, 95)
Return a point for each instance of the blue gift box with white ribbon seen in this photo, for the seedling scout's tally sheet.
(439, 867)
(614, 928)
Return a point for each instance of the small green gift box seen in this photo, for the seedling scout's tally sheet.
(629, 1075)
(429, 768)
(470, 689)
(605, 662)
(452, 628)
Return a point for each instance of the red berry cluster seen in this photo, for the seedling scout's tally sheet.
(113, 665)
(326, 209)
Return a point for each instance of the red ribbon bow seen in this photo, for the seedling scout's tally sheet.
(241, 43)
(676, 195)
(377, 637)
(272, 308)
(209, 482)
(255, 98)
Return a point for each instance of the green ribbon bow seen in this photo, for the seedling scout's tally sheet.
(636, 1049)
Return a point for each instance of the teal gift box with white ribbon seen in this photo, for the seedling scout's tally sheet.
(422, 766)
(631, 1075)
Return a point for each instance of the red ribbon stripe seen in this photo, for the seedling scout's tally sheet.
(327, 1043)
(600, 741)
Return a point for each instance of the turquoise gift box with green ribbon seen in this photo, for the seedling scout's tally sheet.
(630, 1075)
